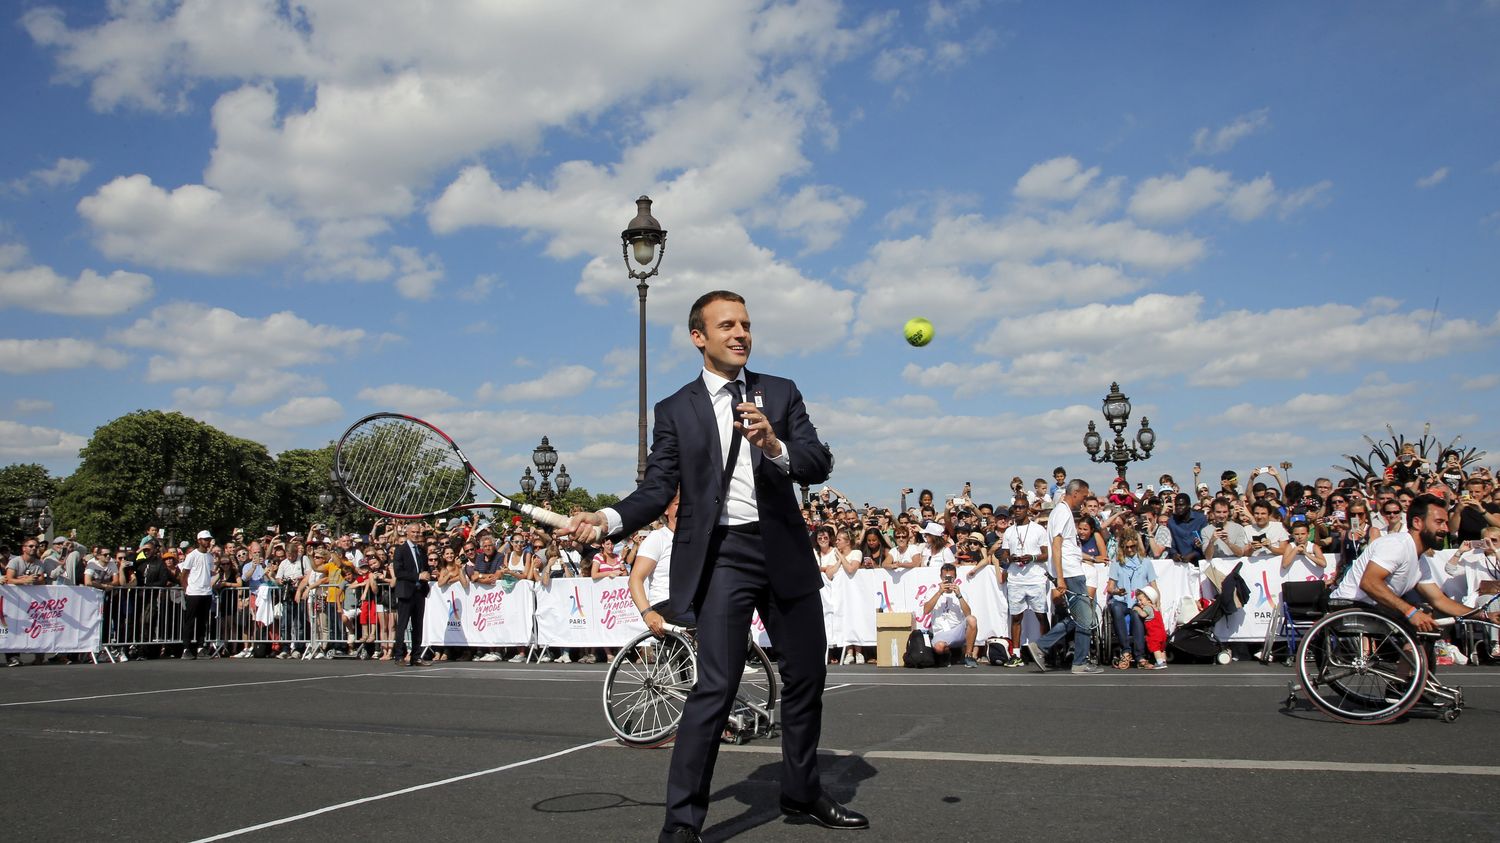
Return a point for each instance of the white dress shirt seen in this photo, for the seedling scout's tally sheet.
(741, 507)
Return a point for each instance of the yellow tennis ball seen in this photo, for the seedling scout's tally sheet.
(918, 331)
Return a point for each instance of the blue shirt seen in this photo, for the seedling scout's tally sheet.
(1132, 574)
(1186, 534)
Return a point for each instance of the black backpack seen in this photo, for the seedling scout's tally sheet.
(919, 652)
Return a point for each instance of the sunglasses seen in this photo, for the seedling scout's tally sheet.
(1390, 512)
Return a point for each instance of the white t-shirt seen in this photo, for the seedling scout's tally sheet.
(824, 560)
(658, 546)
(1025, 540)
(947, 614)
(1275, 534)
(200, 573)
(1061, 523)
(1396, 553)
(904, 557)
(936, 560)
(102, 572)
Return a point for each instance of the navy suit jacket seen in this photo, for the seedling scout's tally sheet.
(685, 450)
(407, 569)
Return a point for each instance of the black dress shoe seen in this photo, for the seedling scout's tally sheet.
(679, 834)
(424, 662)
(825, 812)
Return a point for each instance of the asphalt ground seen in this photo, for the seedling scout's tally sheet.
(277, 750)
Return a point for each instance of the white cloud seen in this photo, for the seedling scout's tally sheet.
(1312, 196)
(41, 289)
(1167, 199)
(193, 228)
(26, 406)
(1173, 199)
(303, 412)
(419, 274)
(65, 172)
(240, 345)
(1377, 398)
(401, 397)
(561, 382)
(1058, 179)
(1249, 200)
(816, 214)
(1208, 141)
(26, 443)
(25, 357)
(1433, 179)
(1187, 343)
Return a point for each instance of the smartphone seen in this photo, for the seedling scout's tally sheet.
(1197, 466)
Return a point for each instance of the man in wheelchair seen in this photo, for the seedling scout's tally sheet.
(1395, 571)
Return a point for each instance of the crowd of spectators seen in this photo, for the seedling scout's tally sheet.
(335, 591)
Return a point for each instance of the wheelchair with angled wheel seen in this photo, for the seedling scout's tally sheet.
(649, 680)
(1358, 664)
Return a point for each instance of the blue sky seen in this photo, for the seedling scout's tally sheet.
(1277, 225)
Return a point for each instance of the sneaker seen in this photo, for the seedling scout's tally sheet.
(1015, 661)
(12, 662)
(970, 663)
(848, 657)
(489, 657)
(588, 659)
(190, 654)
(1161, 665)
(546, 658)
(517, 658)
(1086, 669)
(859, 657)
(564, 658)
(1038, 657)
(284, 654)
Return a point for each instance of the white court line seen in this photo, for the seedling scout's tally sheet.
(179, 690)
(413, 789)
(1166, 763)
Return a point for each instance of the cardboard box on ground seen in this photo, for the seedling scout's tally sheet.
(891, 632)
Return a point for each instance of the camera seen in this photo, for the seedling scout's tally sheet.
(1258, 537)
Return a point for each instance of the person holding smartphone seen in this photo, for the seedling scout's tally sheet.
(951, 621)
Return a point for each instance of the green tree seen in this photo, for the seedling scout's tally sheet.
(113, 496)
(301, 476)
(18, 482)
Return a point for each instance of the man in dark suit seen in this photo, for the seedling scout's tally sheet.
(735, 442)
(412, 578)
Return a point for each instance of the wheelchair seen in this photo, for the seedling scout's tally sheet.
(649, 680)
(1358, 665)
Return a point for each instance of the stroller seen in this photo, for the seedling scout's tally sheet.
(1196, 637)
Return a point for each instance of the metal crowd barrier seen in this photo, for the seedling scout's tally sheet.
(147, 620)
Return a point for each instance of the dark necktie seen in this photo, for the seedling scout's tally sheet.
(735, 397)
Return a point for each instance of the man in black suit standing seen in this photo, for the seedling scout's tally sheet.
(411, 595)
(736, 441)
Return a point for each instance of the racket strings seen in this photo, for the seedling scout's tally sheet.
(403, 467)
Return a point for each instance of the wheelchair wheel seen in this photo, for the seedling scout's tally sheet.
(646, 686)
(1361, 667)
(754, 711)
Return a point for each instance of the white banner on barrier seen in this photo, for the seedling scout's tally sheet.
(579, 612)
(498, 615)
(1264, 575)
(49, 619)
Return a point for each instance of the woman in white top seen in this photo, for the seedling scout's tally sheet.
(905, 554)
(824, 555)
(849, 558)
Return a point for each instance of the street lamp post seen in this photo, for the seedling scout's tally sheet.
(174, 508)
(645, 240)
(1119, 452)
(35, 513)
(545, 459)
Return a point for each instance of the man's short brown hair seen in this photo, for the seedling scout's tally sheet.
(695, 316)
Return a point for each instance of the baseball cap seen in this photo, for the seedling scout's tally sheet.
(59, 539)
(184, 545)
(204, 534)
(933, 528)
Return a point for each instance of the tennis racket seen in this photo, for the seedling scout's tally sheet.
(1080, 607)
(399, 466)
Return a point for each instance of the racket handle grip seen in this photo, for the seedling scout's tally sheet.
(544, 516)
